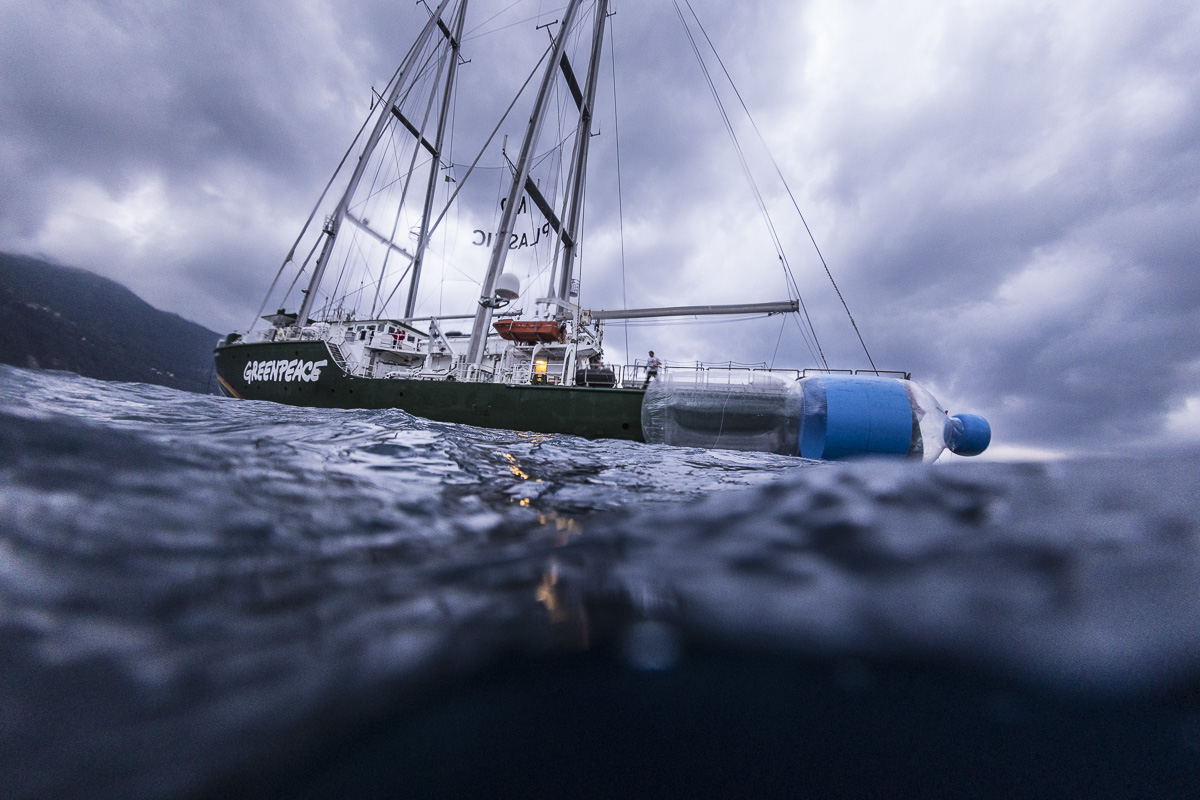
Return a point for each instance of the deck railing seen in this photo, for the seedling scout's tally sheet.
(729, 374)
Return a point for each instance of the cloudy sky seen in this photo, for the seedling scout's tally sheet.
(1008, 192)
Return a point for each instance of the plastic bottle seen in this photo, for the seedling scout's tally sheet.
(827, 417)
(764, 415)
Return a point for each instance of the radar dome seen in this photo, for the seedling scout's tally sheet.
(508, 286)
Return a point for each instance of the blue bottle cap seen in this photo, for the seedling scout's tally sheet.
(968, 434)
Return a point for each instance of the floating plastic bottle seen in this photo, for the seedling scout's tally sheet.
(827, 417)
(764, 415)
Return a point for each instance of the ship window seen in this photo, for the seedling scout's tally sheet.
(362, 335)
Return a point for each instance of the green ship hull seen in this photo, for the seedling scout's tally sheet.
(293, 373)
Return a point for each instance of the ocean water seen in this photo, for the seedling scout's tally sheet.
(202, 597)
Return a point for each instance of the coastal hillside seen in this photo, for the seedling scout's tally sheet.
(55, 317)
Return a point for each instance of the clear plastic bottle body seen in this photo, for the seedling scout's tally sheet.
(826, 417)
(762, 416)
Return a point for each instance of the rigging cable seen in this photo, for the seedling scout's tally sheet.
(377, 188)
(612, 53)
(786, 187)
(412, 165)
(809, 335)
(397, 75)
(474, 34)
(761, 202)
(462, 182)
(296, 278)
(789, 277)
(304, 229)
(482, 150)
(778, 339)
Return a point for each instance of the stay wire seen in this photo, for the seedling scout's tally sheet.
(789, 277)
(298, 275)
(491, 136)
(463, 180)
(304, 229)
(397, 75)
(786, 187)
(778, 339)
(612, 54)
(447, 52)
(760, 201)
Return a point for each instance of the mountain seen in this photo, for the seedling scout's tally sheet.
(56, 317)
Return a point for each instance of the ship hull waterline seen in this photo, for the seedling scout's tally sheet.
(287, 372)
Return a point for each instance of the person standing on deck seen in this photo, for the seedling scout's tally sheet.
(651, 369)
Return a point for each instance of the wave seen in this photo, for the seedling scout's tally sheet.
(200, 595)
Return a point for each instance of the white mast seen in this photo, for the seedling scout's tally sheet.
(583, 138)
(483, 316)
(423, 236)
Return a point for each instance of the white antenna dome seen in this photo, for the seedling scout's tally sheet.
(508, 286)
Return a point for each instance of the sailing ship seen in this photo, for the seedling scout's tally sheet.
(352, 343)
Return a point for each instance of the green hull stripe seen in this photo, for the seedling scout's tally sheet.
(595, 413)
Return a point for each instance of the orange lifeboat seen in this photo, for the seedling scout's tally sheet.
(530, 331)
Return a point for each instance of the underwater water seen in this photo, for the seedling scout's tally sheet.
(208, 597)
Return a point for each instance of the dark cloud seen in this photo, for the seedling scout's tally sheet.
(1009, 196)
(1021, 230)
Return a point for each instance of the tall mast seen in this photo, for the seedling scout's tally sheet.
(339, 213)
(434, 167)
(583, 138)
(483, 316)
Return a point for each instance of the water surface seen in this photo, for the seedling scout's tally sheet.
(208, 597)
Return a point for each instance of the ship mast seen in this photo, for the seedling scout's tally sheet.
(483, 316)
(335, 220)
(439, 138)
(583, 137)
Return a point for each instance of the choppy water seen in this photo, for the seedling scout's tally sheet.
(206, 597)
